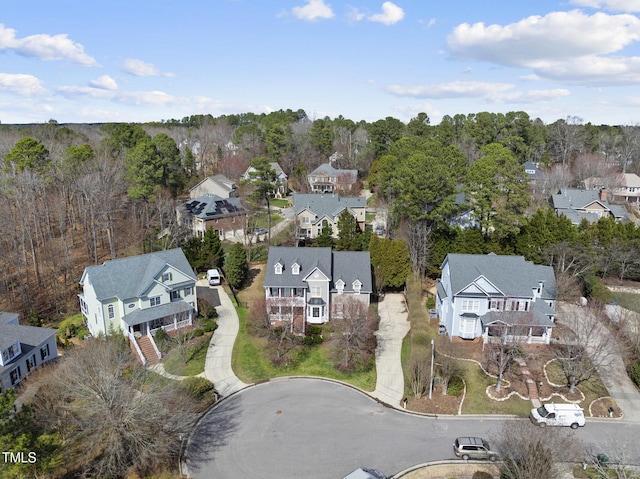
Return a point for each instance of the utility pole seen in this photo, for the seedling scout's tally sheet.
(432, 359)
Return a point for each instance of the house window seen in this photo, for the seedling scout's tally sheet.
(315, 312)
(166, 277)
(278, 268)
(187, 291)
(295, 268)
(472, 305)
(175, 295)
(83, 307)
(356, 286)
(155, 301)
(15, 376)
(31, 363)
(316, 291)
(306, 219)
(496, 305)
(111, 312)
(44, 352)
(340, 286)
(9, 353)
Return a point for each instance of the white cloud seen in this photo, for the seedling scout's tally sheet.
(391, 13)
(531, 96)
(457, 89)
(142, 69)
(105, 82)
(127, 97)
(531, 77)
(613, 5)
(355, 15)
(313, 10)
(22, 84)
(45, 47)
(556, 46)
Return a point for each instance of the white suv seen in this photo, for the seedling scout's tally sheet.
(473, 448)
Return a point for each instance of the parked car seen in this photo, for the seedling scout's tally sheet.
(260, 231)
(365, 473)
(570, 415)
(473, 448)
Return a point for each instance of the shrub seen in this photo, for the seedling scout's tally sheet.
(456, 386)
(198, 332)
(209, 325)
(197, 387)
(634, 373)
(162, 339)
(481, 475)
(431, 302)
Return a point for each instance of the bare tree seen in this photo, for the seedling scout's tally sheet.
(353, 340)
(418, 370)
(418, 236)
(567, 138)
(506, 337)
(448, 366)
(616, 463)
(588, 347)
(558, 177)
(590, 167)
(530, 452)
(117, 419)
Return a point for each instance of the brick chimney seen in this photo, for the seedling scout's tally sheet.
(603, 194)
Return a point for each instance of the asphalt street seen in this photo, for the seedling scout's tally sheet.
(300, 427)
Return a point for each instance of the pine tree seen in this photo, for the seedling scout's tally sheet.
(235, 266)
(348, 233)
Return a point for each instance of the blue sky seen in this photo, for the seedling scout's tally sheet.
(135, 60)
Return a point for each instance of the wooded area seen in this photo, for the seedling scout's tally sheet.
(78, 194)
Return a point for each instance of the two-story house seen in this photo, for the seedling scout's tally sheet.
(22, 349)
(327, 179)
(303, 284)
(482, 295)
(225, 215)
(138, 295)
(282, 186)
(218, 185)
(590, 205)
(315, 212)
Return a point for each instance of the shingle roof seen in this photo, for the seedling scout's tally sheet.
(29, 336)
(576, 199)
(129, 277)
(326, 204)
(512, 275)
(211, 206)
(345, 265)
(331, 171)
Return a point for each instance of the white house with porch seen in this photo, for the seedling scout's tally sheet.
(496, 298)
(139, 295)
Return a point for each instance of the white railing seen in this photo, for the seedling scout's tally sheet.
(178, 325)
(132, 338)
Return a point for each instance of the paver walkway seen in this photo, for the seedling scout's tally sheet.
(217, 366)
(394, 326)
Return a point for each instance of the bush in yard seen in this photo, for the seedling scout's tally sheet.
(162, 339)
(456, 386)
(198, 332)
(481, 475)
(634, 373)
(197, 387)
(209, 325)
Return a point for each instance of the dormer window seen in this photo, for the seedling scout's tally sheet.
(295, 268)
(340, 286)
(357, 285)
(278, 268)
(166, 277)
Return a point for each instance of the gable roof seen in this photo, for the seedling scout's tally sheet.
(511, 275)
(275, 166)
(346, 265)
(328, 169)
(212, 206)
(221, 180)
(29, 336)
(129, 277)
(326, 204)
(572, 204)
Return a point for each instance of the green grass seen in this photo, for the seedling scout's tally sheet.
(250, 363)
(369, 217)
(592, 389)
(371, 201)
(627, 300)
(72, 327)
(279, 202)
(263, 222)
(196, 354)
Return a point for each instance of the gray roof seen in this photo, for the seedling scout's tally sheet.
(326, 204)
(345, 265)
(220, 180)
(126, 278)
(512, 275)
(331, 171)
(539, 315)
(570, 202)
(140, 316)
(212, 206)
(30, 337)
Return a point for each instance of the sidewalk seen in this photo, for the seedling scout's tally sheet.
(217, 367)
(394, 326)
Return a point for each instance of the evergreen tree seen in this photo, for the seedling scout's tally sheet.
(325, 238)
(211, 254)
(348, 233)
(235, 266)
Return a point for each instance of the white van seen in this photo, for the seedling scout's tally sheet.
(570, 415)
(213, 276)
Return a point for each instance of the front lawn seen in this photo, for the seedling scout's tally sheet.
(72, 327)
(195, 353)
(279, 202)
